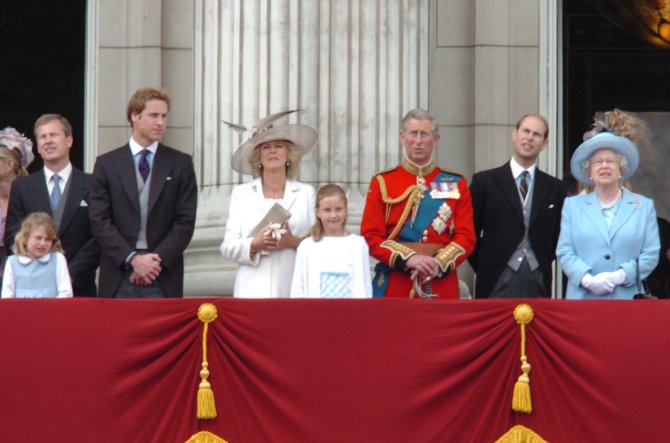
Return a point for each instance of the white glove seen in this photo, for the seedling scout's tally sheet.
(598, 285)
(617, 277)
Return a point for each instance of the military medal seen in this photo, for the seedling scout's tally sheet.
(444, 190)
(439, 223)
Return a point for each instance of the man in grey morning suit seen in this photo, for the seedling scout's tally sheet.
(35, 193)
(517, 215)
(143, 205)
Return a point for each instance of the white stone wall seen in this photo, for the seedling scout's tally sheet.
(132, 44)
(353, 69)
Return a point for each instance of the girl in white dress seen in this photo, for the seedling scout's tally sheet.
(330, 262)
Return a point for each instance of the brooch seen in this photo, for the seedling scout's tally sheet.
(421, 183)
(440, 221)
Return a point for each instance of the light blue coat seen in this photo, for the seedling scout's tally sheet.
(586, 245)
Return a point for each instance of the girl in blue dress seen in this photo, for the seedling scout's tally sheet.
(38, 269)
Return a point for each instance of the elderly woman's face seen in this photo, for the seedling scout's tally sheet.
(274, 155)
(605, 167)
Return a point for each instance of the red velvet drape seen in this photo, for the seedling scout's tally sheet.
(323, 371)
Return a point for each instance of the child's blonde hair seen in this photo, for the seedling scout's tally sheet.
(30, 223)
(325, 191)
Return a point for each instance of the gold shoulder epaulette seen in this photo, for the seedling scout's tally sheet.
(449, 171)
(387, 170)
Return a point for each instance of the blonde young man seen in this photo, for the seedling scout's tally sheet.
(143, 205)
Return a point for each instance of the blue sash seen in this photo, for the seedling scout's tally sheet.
(381, 280)
(411, 233)
(424, 217)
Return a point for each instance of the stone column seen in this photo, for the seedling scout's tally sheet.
(352, 67)
(132, 44)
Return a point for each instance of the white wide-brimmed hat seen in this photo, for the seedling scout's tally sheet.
(301, 136)
(604, 140)
(11, 138)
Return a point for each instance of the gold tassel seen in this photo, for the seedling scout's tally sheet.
(520, 434)
(206, 407)
(521, 401)
(205, 437)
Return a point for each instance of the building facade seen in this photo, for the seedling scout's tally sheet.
(353, 68)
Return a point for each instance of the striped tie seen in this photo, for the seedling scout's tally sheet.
(523, 185)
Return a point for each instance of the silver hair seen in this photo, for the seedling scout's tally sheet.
(420, 114)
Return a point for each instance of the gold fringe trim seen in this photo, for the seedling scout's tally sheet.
(521, 401)
(206, 407)
(413, 195)
(447, 256)
(205, 437)
(520, 434)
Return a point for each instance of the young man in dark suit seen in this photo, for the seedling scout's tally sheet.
(62, 191)
(143, 205)
(517, 218)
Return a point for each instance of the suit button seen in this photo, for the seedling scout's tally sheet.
(607, 257)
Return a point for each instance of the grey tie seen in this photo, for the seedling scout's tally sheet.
(56, 193)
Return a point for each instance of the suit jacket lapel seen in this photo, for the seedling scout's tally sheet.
(128, 177)
(39, 192)
(593, 212)
(540, 195)
(505, 180)
(76, 194)
(626, 209)
(160, 173)
(291, 192)
(256, 196)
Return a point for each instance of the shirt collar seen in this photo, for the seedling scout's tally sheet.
(64, 173)
(517, 169)
(136, 148)
(24, 259)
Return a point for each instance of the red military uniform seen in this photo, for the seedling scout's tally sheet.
(412, 210)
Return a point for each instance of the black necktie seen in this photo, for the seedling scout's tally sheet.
(523, 185)
(144, 164)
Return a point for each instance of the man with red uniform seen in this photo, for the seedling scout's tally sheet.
(417, 219)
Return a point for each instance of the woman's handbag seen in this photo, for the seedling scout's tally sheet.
(642, 293)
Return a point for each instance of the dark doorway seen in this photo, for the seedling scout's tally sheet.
(42, 66)
(604, 68)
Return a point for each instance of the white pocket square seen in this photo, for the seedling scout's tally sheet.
(168, 178)
(83, 203)
(551, 206)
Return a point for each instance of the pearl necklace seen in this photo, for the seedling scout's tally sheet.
(604, 205)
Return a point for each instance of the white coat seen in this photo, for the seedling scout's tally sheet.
(264, 276)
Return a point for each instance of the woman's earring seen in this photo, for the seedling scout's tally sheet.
(260, 166)
(288, 163)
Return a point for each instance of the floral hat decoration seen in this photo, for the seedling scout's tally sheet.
(620, 131)
(11, 138)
